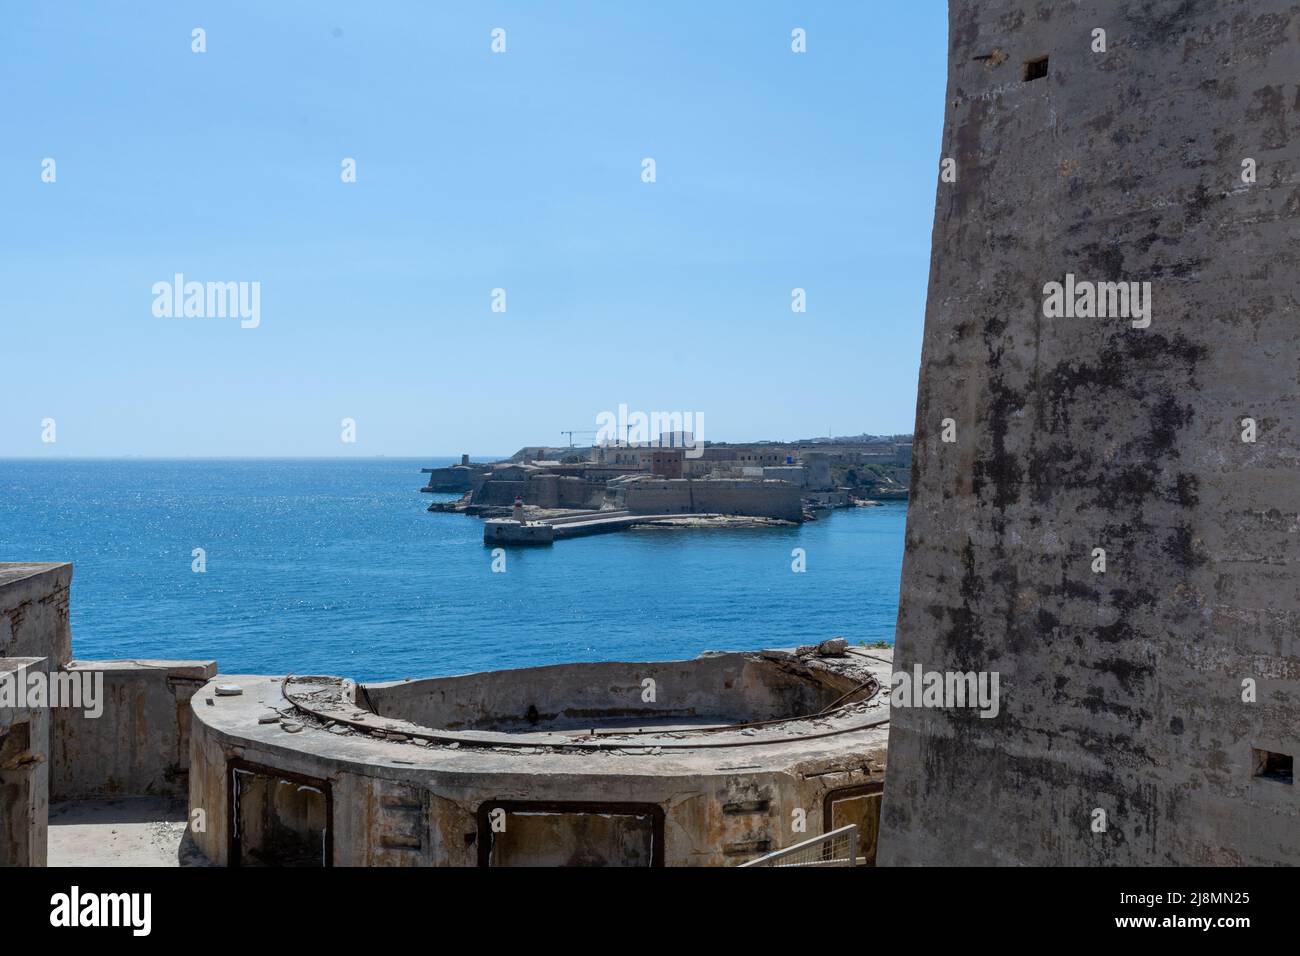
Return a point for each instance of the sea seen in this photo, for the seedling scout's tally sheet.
(335, 566)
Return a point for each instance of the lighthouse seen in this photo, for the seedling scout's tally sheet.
(518, 512)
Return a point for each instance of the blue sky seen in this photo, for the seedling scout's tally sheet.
(475, 171)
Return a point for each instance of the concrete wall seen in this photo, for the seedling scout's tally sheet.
(726, 688)
(386, 816)
(35, 636)
(34, 611)
(140, 743)
(1122, 690)
(764, 499)
(24, 769)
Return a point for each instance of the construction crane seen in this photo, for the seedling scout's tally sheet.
(577, 431)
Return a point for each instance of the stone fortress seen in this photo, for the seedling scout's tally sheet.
(610, 487)
(868, 462)
(1104, 512)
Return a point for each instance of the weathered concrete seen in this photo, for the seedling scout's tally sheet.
(715, 689)
(583, 769)
(140, 745)
(35, 637)
(34, 611)
(1122, 689)
(24, 768)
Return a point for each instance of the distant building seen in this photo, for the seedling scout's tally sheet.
(797, 475)
(818, 465)
(667, 462)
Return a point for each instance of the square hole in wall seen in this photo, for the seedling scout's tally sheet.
(1273, 766)
(859, 805)
(1035, 69)
(278, 818)
(570, 834)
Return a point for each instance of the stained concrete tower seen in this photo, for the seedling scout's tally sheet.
(1150, 702)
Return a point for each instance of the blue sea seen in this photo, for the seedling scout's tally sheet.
(334, 566)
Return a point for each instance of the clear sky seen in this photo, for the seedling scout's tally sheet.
(475, 171)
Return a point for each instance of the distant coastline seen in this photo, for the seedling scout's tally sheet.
(335, 566)
(542, 494)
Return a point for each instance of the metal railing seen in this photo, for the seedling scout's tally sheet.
(836, 848)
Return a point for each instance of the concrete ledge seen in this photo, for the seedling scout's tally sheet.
(34, 611)
(139, 745)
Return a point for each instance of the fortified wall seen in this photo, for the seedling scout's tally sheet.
(646, 495)
(544, 491)
(724, 496)
(1104, 507)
